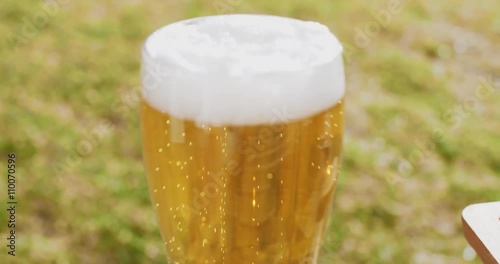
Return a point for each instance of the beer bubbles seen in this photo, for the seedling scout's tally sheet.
(242, 131)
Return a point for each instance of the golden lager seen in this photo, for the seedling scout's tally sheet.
(242, 161)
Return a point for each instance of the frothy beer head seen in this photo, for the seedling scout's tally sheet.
(242, 69)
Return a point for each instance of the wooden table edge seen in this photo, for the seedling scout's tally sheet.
(476, 243)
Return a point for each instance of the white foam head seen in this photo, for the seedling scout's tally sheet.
(242, 69)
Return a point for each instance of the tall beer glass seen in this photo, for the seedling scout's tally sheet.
(242, 129)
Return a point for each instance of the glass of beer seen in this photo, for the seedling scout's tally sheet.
(242, 129)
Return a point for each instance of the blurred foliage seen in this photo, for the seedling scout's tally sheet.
(69, 68)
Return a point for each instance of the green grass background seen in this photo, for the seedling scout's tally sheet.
(77, 70)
